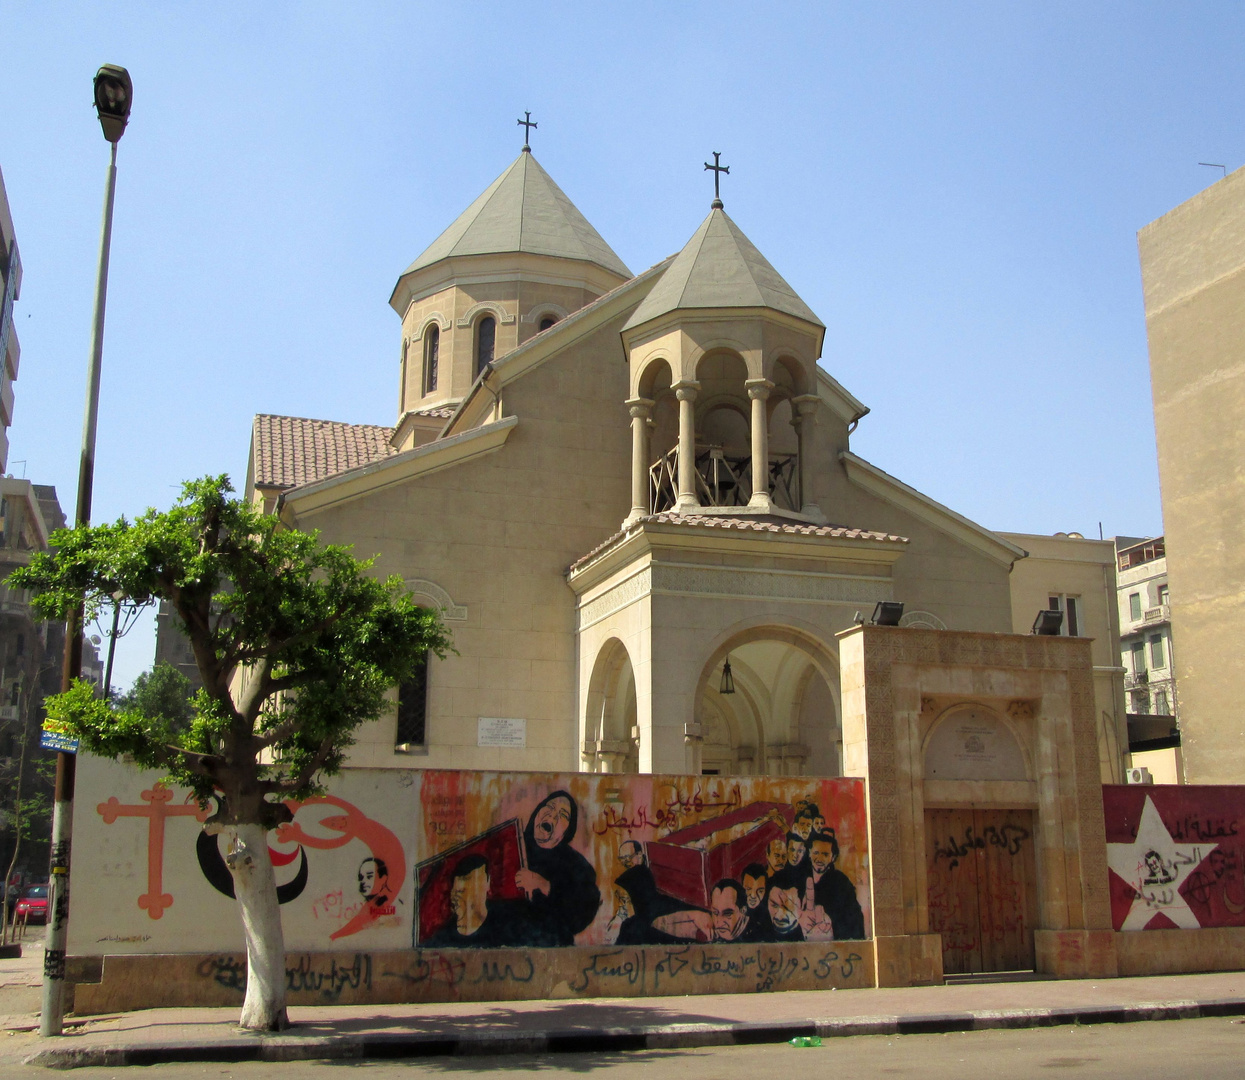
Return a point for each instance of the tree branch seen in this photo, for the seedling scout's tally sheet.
(256, 690)
(204, 765)
(288, 726)
(288, 786)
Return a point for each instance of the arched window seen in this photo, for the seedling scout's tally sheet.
(547, 322)
(432, 356)
(412, 729)
(486, 338)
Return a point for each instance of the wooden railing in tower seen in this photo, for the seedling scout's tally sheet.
(723, 479)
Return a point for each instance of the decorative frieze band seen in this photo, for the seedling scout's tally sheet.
(619, 596)
(735, 583)
(744, 584)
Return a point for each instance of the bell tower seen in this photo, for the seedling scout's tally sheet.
(723, 357)
(516, 262)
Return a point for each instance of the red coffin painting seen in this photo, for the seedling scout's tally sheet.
(687, 863)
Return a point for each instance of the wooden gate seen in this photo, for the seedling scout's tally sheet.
(982, 888)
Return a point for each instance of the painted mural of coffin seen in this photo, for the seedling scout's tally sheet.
(687, 863)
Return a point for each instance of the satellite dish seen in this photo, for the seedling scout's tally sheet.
(96, 639)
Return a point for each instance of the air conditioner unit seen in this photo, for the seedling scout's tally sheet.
(1138, 776)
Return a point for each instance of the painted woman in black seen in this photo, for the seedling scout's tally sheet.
(560, 883)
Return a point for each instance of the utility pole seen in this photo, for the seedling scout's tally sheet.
(113, 94)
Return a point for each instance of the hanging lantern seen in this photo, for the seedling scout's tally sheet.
(728, 680)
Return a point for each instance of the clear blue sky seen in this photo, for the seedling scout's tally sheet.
(954, 188)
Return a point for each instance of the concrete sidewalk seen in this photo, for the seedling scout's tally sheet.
(621, 1024)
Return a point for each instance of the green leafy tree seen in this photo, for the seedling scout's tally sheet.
(161, 693)
(297, 645)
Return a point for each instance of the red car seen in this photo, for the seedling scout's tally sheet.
(33, 905)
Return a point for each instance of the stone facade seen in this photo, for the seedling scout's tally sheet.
(1193, 272)
(531, 497)
(31, 657)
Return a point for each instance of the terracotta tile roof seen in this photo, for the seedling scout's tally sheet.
(291, 451)
(760, 524)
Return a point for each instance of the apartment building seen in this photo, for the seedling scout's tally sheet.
(1147, 657)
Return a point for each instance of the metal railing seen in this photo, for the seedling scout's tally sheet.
(722, 479)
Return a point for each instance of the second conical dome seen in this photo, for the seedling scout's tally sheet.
(719, 267)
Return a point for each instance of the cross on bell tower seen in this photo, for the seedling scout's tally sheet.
(717, 169)
(527, 123)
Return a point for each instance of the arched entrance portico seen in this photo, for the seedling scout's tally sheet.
(783, 717)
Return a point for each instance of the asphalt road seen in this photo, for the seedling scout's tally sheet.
(1200, 1049)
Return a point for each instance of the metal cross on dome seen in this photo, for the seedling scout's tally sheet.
(527, 123)
(717, 170)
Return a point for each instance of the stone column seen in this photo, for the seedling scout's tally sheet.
(612, 761)
(686, 393)
(804, 420)
(641, 410)
(693, 737)
(758, 390)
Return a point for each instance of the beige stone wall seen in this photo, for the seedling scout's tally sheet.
(1193, 270)
(216, 980)
(498, 534)
(964, 586)
(1170, 952)
(1085, 569)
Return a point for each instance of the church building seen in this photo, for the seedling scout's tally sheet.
(633, 497)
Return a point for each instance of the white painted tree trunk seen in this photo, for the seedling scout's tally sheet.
(256, 889)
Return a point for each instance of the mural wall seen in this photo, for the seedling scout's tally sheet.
(146, 878)
(545, 860)
(1176, 855)
(394, 859)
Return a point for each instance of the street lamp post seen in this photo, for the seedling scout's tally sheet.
(119, 630)
(113, 93)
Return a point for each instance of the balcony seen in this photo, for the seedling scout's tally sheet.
(1160, 614)
(1134, 679)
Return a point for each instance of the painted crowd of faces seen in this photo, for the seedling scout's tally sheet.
(529, 885)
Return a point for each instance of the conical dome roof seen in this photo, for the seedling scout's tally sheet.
(720, 267)
(523, 210)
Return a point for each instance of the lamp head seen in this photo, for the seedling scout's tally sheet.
(113, 94)
(727, 686)
(887, 613)
(1048, 622)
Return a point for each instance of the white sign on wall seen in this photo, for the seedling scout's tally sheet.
(501, 731)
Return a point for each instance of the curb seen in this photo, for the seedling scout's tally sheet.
(291, 1047)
